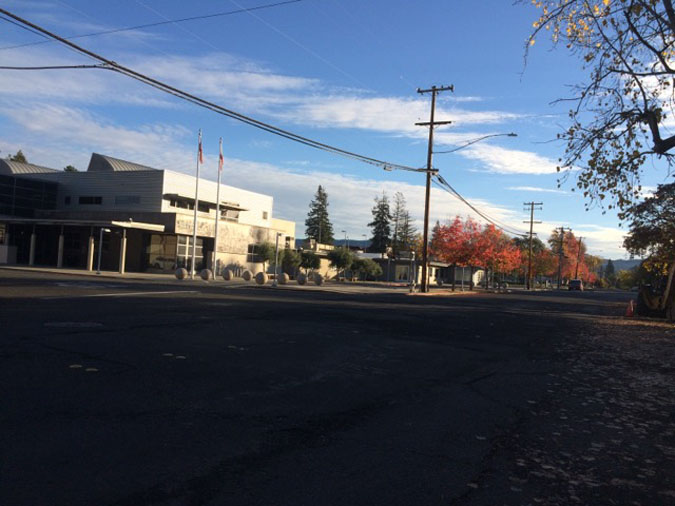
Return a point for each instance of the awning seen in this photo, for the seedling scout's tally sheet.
(130, 224)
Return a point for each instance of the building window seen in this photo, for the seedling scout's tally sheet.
(229, 215)
(264, 215)
(66, 200)
(202, 207)
(252, 254)
(86, 200)
(122, 200)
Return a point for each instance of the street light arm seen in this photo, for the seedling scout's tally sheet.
(474, 141)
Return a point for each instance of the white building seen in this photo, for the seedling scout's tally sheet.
(50, 217)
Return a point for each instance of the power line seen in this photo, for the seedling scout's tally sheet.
(444, 185)
(150, 25)
(166, 88)
(57, 67)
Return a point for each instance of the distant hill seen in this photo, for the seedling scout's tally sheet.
(623, 265)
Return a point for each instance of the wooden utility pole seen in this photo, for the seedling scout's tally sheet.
(532, 222)
(561, 255)
(430, 151)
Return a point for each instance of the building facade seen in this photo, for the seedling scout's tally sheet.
(140, 218)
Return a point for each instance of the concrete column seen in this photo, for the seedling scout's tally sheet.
(31, 253)
(123, 250)
(90, 251)
(59, 258)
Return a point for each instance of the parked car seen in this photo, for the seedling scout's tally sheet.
(576, 284)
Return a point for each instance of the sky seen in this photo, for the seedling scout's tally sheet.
(343, 72)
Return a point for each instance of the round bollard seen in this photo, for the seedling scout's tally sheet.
(284, 278)
(206, 274)
(318, 279)
(261, 278)
(181, 273)
(228, 275)
(301, 279)
(247, 275)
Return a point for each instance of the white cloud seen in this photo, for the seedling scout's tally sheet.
(537, 189)
(605, 241)
(509, 161)
(49, 127)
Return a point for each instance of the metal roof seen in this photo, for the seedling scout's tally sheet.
(103, 163)
(10, 168)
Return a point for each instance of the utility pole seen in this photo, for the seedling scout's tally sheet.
(576, 270)
(532, 206)
(431, 124)
(561, 255)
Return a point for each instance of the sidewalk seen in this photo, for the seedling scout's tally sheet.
(135, 276)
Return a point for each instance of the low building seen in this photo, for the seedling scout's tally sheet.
(143, 216)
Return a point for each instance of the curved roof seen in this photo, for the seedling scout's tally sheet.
(103, 163)
(10, 168)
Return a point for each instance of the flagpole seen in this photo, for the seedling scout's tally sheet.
(215, 238)
(194, 223)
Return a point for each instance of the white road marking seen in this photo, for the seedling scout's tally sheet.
(124, 294)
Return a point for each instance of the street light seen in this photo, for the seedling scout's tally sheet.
(276, 261)
(346, 238)
(474, 141)
(365, 244)
(100, 247)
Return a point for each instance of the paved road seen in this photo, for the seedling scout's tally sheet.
(122, 392)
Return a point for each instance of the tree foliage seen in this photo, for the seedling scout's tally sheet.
(340, 258)
(366, 267)
(18, 157)
(618, 117)
(381, 225)
(309, 260)
(290, 261)
(652, 226)
(573, 258)
(266, 253)
(466, 243)
(70, 168)
(318, 225)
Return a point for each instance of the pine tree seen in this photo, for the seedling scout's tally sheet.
(318, 226)
(406, 232)
(397, 219)
(609, 269)
(381, 225)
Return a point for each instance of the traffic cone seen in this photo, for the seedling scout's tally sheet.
(630, 310)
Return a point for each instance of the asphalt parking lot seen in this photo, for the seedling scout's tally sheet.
(137, 392)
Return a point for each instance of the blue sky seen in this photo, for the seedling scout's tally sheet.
(341, 71)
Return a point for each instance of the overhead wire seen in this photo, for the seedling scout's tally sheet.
(56, 67)
(150, 25)
(440, 182)
(210, 105)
